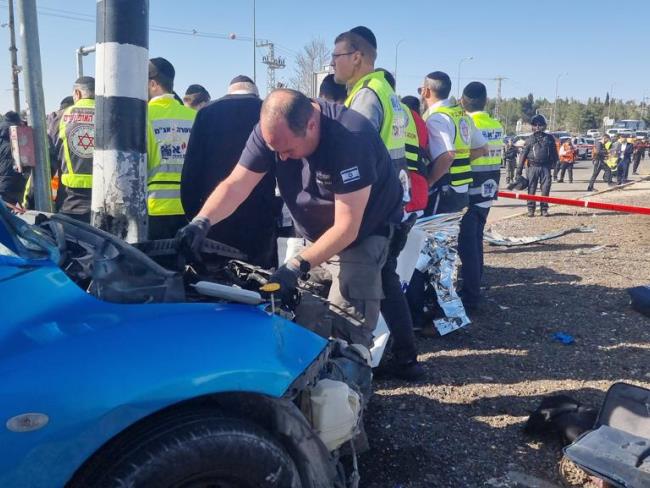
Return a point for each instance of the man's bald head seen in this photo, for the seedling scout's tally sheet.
(289, 107)
(290, 124)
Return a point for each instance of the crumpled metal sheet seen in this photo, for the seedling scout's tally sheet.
(496, 239)
(439, 261)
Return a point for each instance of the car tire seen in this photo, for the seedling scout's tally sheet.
(196, 452)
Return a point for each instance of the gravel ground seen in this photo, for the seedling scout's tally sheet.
(462, 425)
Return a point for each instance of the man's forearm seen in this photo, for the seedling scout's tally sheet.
(479, 152)
(333, 241)
(440, 167)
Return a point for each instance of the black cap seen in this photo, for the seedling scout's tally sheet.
(475, 89)
(366, 33)
(66, 102)
(241, 79)
(161, 67)
(193, 89)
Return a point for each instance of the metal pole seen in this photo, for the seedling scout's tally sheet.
(395, 72)
(120, 160)
(557, 80)
(31, 56)
(81, 52)
(458, 81)
(254, 47)
(14, 58)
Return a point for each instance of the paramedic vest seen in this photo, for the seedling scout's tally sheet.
(460, 172)
(171, 124)
(393, 126)
(77, 133)
(416, 161)
(486, 170)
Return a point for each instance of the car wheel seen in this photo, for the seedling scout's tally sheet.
(198, 452)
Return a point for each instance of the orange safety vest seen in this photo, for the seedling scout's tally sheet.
(569, 154)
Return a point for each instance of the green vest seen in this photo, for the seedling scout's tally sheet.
(394, 121)
(77, 134)
(460, 172)
(486, 170)
(170, 124)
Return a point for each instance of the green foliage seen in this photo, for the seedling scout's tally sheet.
(571, 115)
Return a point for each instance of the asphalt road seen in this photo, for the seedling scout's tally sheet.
(582, 170)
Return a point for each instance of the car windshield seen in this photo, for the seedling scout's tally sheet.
(18, 238)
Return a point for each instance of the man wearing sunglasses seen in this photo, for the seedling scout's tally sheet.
(540, 155)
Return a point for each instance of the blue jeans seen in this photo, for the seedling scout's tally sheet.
(470, 250)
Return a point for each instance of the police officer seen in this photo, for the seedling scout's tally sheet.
(370, 93)
(337, 179)
(170, 125)
(540, 153)
(454, 142)
(486, 172)
(76, 144)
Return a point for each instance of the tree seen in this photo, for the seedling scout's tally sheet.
(314, 56)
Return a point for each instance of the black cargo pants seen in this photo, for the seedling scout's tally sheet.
(538, 176)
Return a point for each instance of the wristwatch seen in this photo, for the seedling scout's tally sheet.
(304, 264)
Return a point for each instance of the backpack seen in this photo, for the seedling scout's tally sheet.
(540, 151)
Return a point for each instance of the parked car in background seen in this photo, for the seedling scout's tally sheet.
(590, 142)
(583, 148)
(642, 134)
(595, 133)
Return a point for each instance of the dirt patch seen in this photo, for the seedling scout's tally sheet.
(462, 426)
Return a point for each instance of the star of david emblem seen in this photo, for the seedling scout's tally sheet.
(86, 141)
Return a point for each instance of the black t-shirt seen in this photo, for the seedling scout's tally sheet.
(349, 157)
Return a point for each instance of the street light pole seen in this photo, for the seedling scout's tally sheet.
(395, 71)
(469, 58)
(557, 81)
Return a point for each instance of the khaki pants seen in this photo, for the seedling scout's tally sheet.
(355, 292)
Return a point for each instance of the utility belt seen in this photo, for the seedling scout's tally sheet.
(540, 165)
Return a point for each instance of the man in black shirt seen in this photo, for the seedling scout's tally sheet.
(541, 153)
(217, 139)
(337, 179)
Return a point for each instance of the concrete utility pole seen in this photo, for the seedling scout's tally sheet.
(31, 55)
(14, 58)
(120, 162)
(272, 63)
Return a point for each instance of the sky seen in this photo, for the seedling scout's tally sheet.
(577, 46)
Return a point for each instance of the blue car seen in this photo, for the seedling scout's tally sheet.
(116, 371)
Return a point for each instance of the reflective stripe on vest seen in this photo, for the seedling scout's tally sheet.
(77, 133)
(486, 170)
(412, 142)
(394, 122)
(460, 171)
(171, 124)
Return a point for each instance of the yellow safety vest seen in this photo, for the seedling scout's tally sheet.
(610, 161)
(486, 170)
(460, 172)
(77, 133)
(169, 129)
(393, 126)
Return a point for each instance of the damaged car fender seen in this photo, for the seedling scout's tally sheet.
(88, 369)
